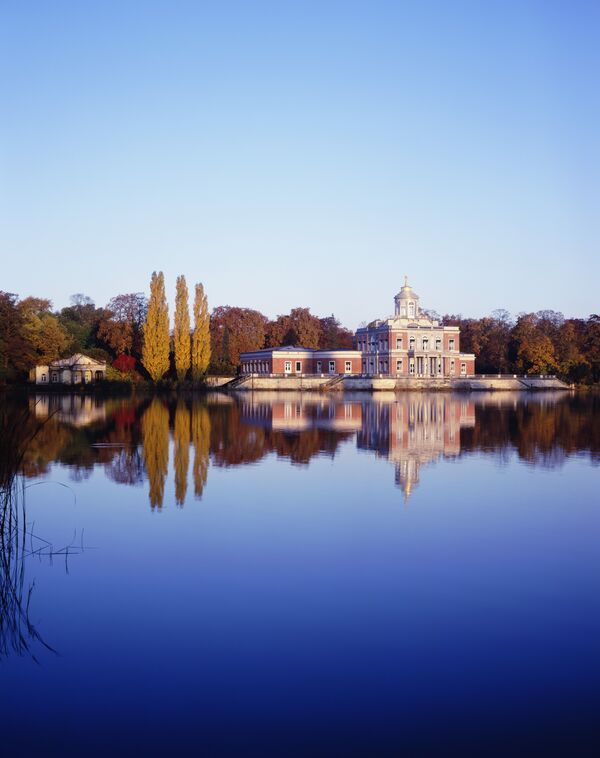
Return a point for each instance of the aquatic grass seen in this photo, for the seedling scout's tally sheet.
(18, 635)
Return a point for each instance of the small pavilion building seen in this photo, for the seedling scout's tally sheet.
(78, 369)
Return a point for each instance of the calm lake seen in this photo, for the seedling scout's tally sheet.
(286, 574)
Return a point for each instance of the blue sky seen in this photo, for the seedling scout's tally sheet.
(309, 154)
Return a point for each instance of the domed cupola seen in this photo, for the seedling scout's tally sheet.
(407, 302)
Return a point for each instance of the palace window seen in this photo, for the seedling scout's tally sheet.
(452, 369)
(411, 343)
(411, 309)
(438, 343)
(319, 367)
(451, 344)
(298, 366)
(425, 343)
(398, 343)
(44, 378)
(348, 367)
(332, 367)
(399, 366)
(411, 367)
(463, 369)
(288, 367)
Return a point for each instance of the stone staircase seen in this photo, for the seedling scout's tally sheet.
(236, 383)
(334, 383)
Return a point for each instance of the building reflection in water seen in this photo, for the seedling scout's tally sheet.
(76, 410)
(131, 437)
(414, 430)
(297, 412)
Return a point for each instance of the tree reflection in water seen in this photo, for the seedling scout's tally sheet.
(201, 442)
(155, 436)
(130, 438)
(181, 453)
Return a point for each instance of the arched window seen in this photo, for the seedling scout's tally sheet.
(411, 309)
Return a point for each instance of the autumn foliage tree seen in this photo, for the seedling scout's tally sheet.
(233, 331)
(532, 347)
(155, 353)
(181, 330)
(46, 336)
(300, 327)
(333, 336)
(122, 327)
(15, 352)
(201, 337)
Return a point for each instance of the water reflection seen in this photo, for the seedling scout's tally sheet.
(132, 439)
(414, 430)
(201, 443)
(155, 436)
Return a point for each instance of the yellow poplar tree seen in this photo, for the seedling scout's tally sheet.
(155, 353)
(181, 330)
(201, 336)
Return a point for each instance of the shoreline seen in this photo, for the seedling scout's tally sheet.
(497, 383)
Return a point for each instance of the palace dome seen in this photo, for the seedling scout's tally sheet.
(407, 301)
(406, 292)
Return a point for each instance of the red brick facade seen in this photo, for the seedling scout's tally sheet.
(411, 343)
(298, 361)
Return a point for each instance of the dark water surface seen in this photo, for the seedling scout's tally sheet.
(282, 574)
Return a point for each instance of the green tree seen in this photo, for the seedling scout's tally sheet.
(181, 329)
(81, 320)
(155, 353)
(201, 336)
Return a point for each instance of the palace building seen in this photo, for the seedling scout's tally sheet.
(292, 359)
(408, 344)
(411, 343)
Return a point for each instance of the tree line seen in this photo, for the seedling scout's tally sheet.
(533, 343)
(133, 334)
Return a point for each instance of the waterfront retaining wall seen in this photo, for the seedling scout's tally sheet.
(394, 384)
